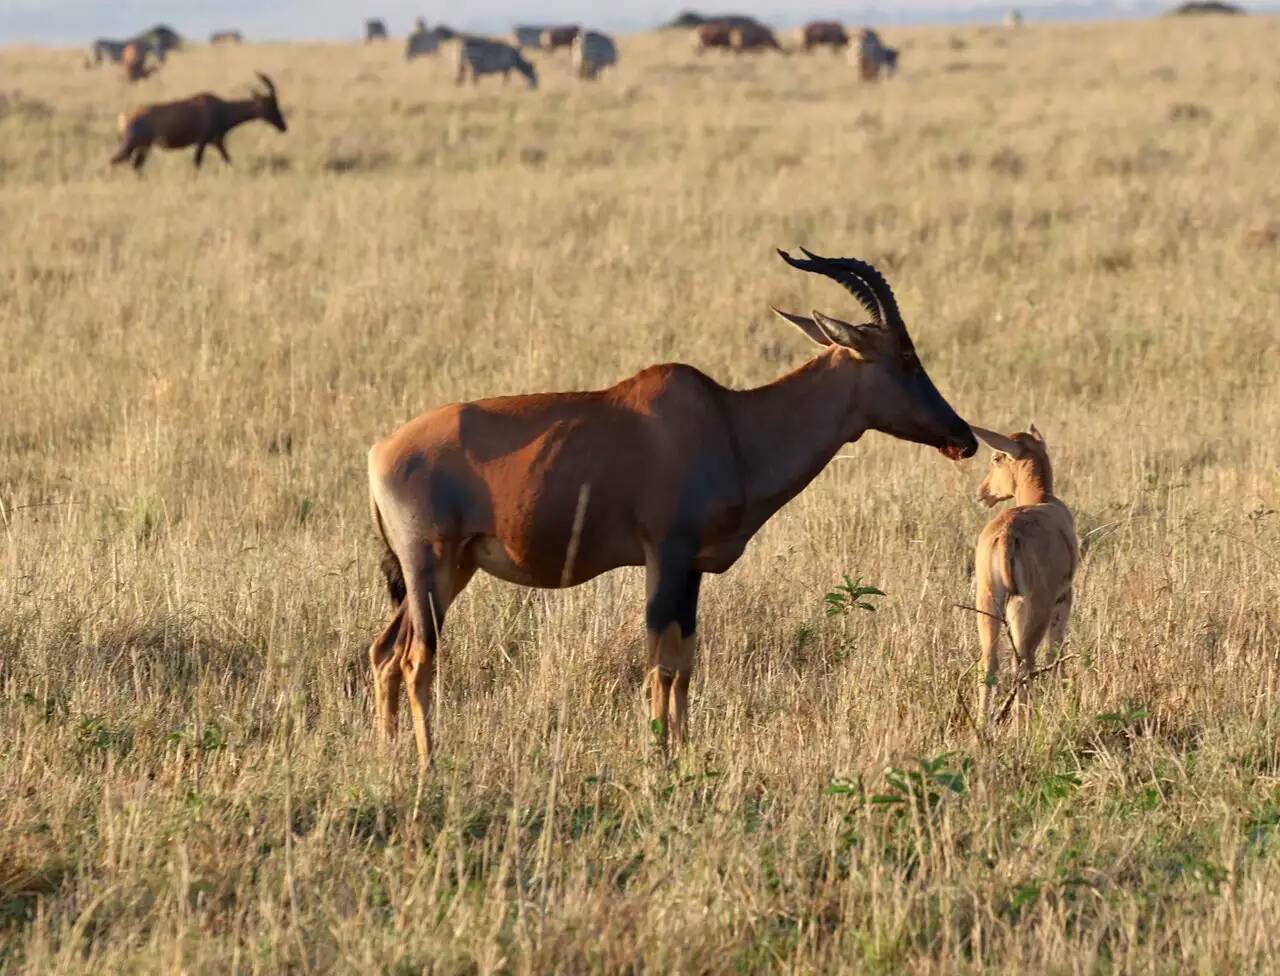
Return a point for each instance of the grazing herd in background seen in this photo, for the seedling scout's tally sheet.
(591, 52)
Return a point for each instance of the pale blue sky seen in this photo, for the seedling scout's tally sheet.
(74, 21)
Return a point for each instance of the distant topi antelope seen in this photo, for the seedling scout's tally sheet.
(1026, 558)
(667, 469)
(819, 32)
(554, 38)
(200, 121)
(134, 61)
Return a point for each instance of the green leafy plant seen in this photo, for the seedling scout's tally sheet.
(850, 595)
(923, 788)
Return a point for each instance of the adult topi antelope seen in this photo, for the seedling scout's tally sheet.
(667, 469)
(1026, 558)
(199, 121)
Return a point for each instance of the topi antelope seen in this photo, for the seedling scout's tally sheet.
(819, 32)
(135, 65)
(554, 38)
(1025, 560)
(667, 469)
(199, 121)
(715, 34)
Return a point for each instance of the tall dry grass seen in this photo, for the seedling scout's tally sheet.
(1081, 224)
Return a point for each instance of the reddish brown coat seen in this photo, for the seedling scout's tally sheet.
(201, 120)
(714, 35)
(558, 37)
(824, 32)
(667, 469)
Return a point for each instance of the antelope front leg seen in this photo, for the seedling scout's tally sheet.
(671, 623)
(688, 622)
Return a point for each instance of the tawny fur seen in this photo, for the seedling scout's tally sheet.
(135, 65)
(1026, 559)
(668, 470)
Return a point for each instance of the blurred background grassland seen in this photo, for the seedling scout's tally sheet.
(1082, 224)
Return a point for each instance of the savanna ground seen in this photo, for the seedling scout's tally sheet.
(1081, 223)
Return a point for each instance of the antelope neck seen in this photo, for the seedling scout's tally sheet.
(787, 430)
(242, 110)
(1034, 488)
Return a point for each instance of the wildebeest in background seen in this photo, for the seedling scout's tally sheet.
(690, 20)
(874, 56)
(528, 35)
(375, 30)
(226, 37)
(753, 37)
(201, 120)
(106, 50)
(423, 41)
(1206, 7)
(483, 56)
(592, 53)
(160, 40)
(818, 33)
(554, 38)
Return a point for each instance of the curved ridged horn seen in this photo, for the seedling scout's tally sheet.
(860, 279)
(851, 283)
(871, 275)
(271, 89)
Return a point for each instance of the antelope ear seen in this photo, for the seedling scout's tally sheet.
(859, 339)
(997, 442)
(1035, 432)
(808, 326)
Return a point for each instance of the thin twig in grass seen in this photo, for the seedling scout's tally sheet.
(960, 707)
(1003, 622)
(1002, 713)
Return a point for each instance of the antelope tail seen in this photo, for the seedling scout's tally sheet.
(391, 568)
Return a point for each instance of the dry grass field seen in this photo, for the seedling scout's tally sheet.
(1083, 227)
